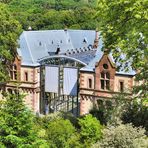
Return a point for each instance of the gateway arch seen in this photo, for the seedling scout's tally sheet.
(59, 83)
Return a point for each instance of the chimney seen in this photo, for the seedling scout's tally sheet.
(29, 28)
(96, 41)
(65, 29)
(106, 51)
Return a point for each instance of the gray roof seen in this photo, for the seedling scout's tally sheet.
(35, 45)
(78, 44)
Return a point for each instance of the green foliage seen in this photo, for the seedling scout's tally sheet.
(137, 114)
(60, 133)
(123, 136)
(90, 129)
(42, 122)
(133, 111)
(54, 14)
(16, 126)
(110, 112)
(9, 31)
(5, 1)
(124, 26)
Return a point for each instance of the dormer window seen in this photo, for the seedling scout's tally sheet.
(10, 91)
(58, 50)
(105, 81)
(40, 44)
(84, 41)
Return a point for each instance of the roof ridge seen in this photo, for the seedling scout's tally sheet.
(28, 47)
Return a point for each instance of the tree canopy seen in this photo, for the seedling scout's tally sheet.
(90, 129)
(17, 123)
(9, 31)
(54, 14)
(124, 29)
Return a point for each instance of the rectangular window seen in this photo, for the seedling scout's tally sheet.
(107, 85)
(90, 83)
(102, 75)
(15, 75)
(13, 72)
(26, 76)
(121, 86)
(105, 80)
(102, 84)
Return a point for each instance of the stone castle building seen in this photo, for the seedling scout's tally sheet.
(97, 79)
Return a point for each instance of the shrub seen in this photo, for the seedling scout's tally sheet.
(16, 124)
(123, 136)
(60, 132)
(110, 112)
(90, 129)
(137, 114)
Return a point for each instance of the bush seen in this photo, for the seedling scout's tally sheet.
(16, 124)
(123, 136)
(90, 129)
(137, 114)
(110, 112)
(60, 133)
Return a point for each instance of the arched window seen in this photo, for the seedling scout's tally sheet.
(100, 103)
(9, 90)
(109, 104)
(107, 75)
(105, 81)
(89, 83)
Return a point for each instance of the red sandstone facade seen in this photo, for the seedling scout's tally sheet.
(102, 84)
(105, 83)
(27, 80)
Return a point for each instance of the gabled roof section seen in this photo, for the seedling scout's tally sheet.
(99, 54)
(109, 59)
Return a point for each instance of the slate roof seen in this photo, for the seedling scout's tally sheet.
(36, 45)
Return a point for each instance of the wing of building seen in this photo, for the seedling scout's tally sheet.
(65, 70)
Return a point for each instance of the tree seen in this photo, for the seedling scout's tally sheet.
(9, 31)
(123, 136)
(54, 14)
(60, 133)
(17, 126)
(123, 25)
(5, 1)
(90, 129)
(136, 114)
(110, 112)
